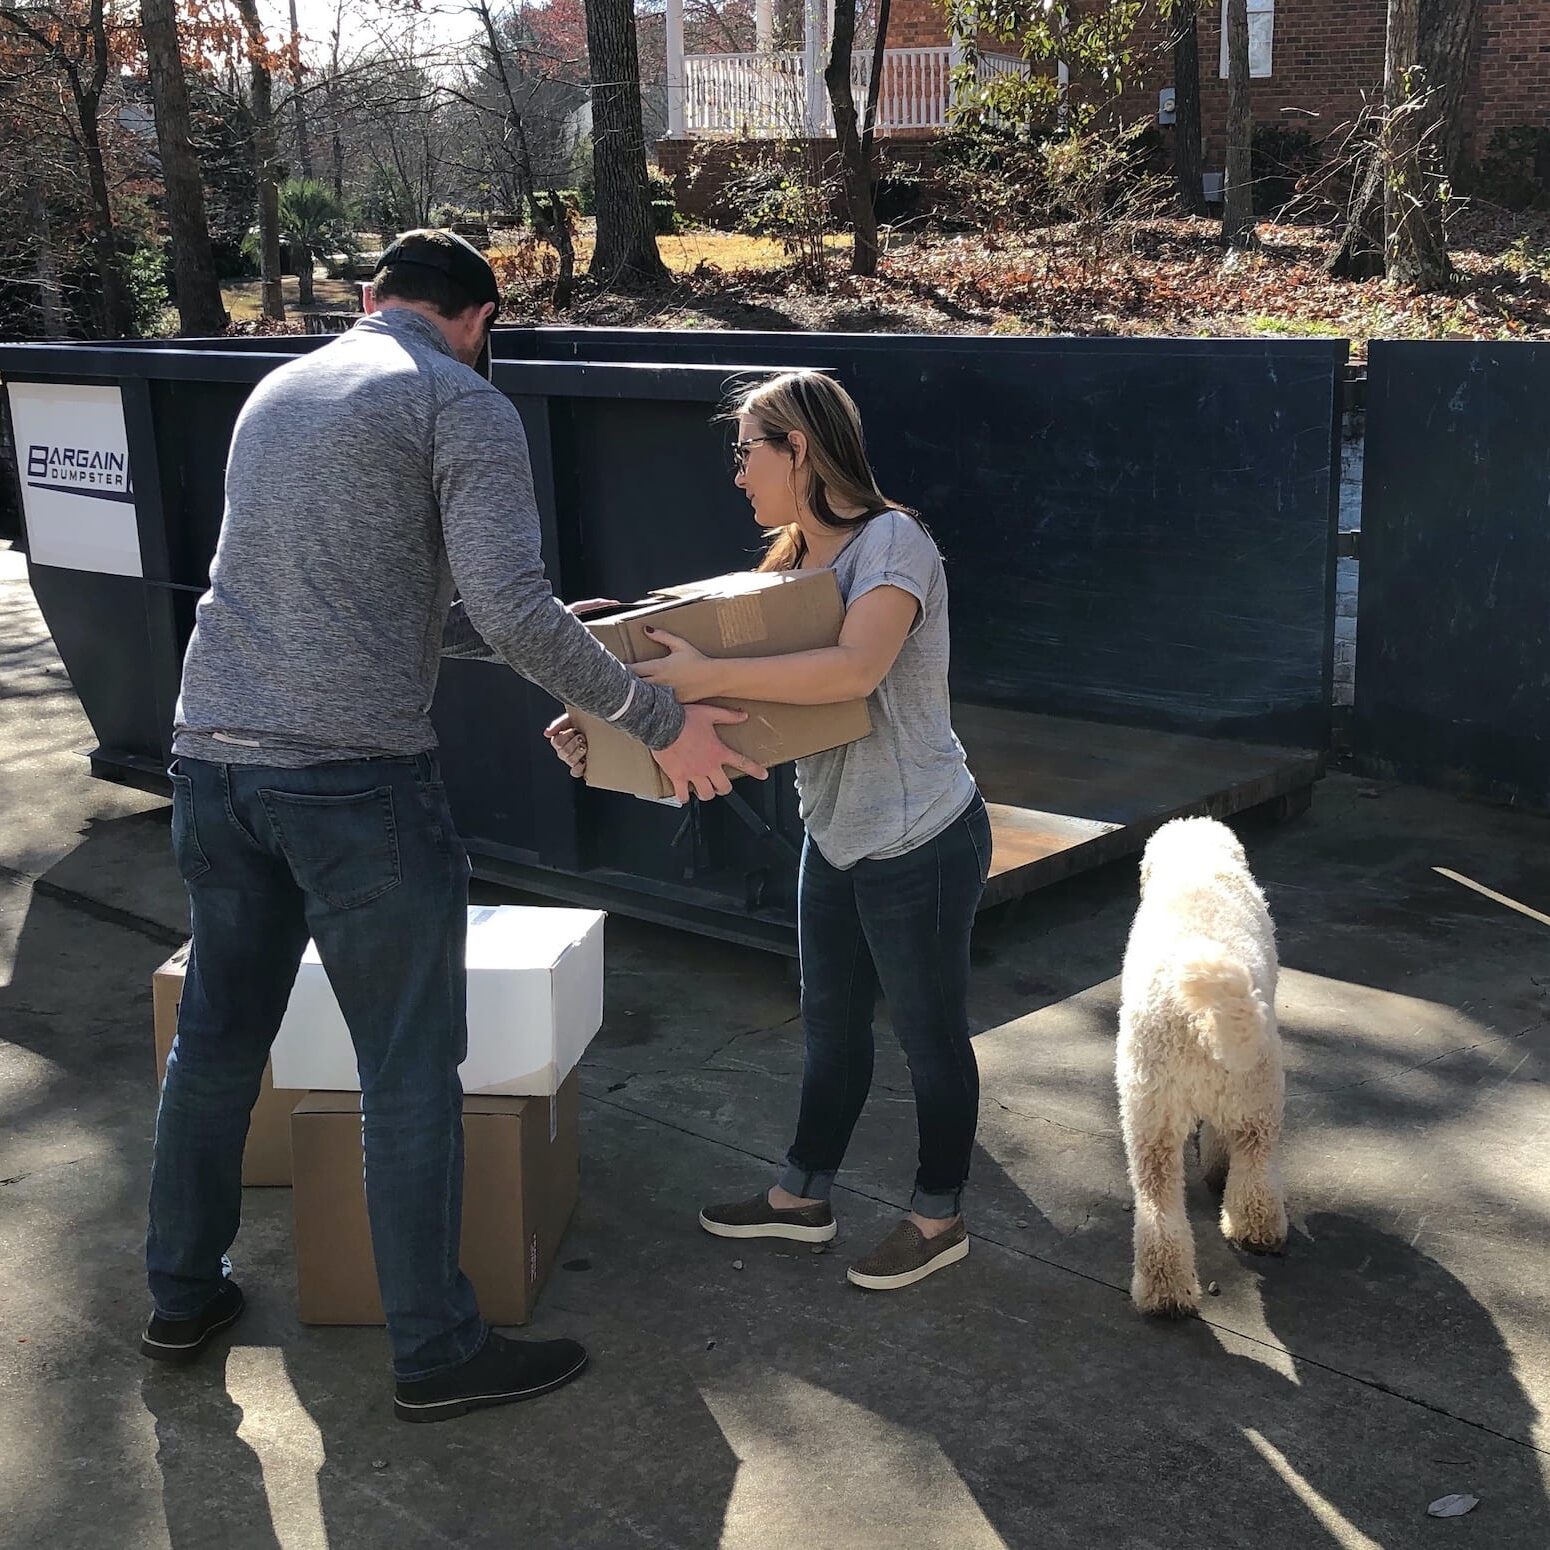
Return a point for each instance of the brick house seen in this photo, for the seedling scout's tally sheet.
(1311, 62)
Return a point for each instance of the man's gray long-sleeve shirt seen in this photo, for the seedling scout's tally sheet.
(364, 482)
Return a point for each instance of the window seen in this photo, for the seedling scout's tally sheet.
(1262, 20)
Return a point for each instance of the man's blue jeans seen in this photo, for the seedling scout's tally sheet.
(362, 857)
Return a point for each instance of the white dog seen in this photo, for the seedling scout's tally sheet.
(1198, 1042)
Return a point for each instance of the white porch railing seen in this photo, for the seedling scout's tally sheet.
(765, 96)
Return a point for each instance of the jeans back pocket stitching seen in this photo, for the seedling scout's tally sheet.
(390, 832)
(190, 826)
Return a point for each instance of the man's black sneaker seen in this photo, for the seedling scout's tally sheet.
(179, 1341)
(502, 1373)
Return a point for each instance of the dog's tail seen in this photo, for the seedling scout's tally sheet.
(1210, 980)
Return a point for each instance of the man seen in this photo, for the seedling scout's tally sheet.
(364, 481)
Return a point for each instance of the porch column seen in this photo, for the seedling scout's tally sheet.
(675, 69)
(812, 65)
(764, 25)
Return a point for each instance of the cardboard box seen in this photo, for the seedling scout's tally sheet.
(521, 1174)
(267, 1159)
(748, 614)
(535, 999)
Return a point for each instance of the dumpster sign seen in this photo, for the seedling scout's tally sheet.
(77, 492)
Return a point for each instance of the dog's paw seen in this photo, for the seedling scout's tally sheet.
(1258, 1226)
(1251, 1245)
(1162, 1305)
(1174, 1296)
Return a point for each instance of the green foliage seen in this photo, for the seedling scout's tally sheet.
(581, 171)
(787, 193)
(1002, 178)
(1098, 47)
(571, 203)
(309, 212)
(147, 280)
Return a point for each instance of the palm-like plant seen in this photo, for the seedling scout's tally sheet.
(308, 214)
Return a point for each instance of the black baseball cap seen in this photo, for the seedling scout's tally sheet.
(448, 254)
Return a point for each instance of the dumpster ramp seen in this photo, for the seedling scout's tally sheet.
(1067, 795)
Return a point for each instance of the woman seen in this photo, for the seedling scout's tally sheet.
(898, 839)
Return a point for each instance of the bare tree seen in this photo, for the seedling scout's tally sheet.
(79, 49)
(626, 250)
(200, 308)
(1238, 195)
(1415, 252)
(266, 160)
(1450, 33)
(336, 135)
(298, 100)
(45, 264)
(854, 161)
(550, 219)
(1188, 162)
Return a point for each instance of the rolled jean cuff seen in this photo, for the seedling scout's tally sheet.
(939, 1205)
(797, 1180)
(403, 1372)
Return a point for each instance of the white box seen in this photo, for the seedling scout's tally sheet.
(535, 1000)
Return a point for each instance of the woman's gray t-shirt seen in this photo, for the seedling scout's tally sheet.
(903, 785)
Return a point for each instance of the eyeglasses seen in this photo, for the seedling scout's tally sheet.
(740, 448)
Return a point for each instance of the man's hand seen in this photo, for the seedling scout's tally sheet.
(698, 761)
(569, 744)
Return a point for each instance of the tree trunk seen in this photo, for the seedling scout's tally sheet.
(1238, 197)
(626, 250)
(559, 234)
(1360, 254)
(201, 311)
(303, 143)
(1188, 162)
(552, 226)
(874, 90)
(305, 295)
(853, 161)
(117, 320)
(1414, 250)
(1450, 30)
(45, 267)
(265, 161)
(335, 131)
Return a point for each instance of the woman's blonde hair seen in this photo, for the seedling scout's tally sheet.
(839, 474)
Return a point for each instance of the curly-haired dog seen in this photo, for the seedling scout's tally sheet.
(1198, 1042)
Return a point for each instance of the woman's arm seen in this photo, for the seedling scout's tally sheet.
(870, 641)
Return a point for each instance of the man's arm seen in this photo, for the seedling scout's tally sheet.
(489, 519)
(460, 639)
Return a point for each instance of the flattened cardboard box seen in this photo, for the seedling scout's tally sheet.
(747, 614)
(267, 1159)
(521, 1178)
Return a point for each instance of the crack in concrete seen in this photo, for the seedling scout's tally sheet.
(1044, 1119)
(37, 1173)
(1420, 1065)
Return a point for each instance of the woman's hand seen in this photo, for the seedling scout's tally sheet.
(688, 673)
(569, 744)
